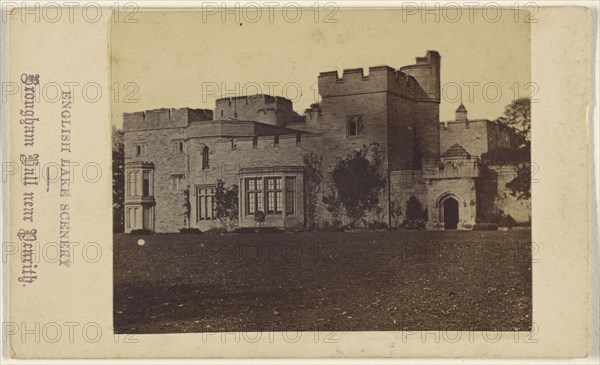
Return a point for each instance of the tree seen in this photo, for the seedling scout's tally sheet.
(187, 206)
(226, 203)
(518, 115)
(313, 176)
(334, 206)
(520, 185)
(118, 179)
(416, 215)
(357, 181)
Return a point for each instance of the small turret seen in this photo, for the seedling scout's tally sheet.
(461, 114)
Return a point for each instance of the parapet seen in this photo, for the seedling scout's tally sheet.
(262, 108)
(253, 100)
(164, 118)
(354, 81)
(419, 82)
(427, 73)
(313, 114)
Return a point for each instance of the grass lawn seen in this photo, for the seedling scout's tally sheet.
(346, 281)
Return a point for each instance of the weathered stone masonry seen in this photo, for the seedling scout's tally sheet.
(258, 143)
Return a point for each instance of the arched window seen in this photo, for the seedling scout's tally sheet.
(205, 154)
(138, 150)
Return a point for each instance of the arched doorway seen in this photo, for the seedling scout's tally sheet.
(450, 213)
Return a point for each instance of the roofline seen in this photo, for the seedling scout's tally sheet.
(237, 121)
(468, 120)
(252, 96)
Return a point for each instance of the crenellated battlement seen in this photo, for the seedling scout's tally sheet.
(262, 108)
(419, 82)
(313, 114)
(164, 118)
(427, 73)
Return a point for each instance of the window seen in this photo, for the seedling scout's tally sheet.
(254, 195)
(139, 149)
(354, 125)
(146, 220)
(132, 223)
(146, 183)
(138, 182)
(273, 194)
(276, 140)
(205, 210)
(298, 138)
(221, 113)
(254, 141)
(233, 145)
(205, 157)
(290, 195)
(180, 146)
(177, 181)
(131, 184)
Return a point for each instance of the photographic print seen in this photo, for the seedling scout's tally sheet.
(292, 180)
(368, 171)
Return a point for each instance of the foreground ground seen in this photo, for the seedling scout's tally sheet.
(355, 281)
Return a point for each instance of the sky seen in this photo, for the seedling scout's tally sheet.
(180, 59)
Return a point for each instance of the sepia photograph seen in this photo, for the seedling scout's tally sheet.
(364, 171)
(281, 181)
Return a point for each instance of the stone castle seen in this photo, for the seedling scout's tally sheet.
(258, 143)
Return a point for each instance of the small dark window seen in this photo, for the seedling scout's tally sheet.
(205, 157)
(276, 140)
(180, 144)
(298, 138)
(138, 150)
(233, 145)
(354, 125)
(221, 113)
(146, 184)
(254, 141)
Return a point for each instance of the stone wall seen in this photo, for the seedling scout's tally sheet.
(477, 136)
(494, 198)
(403, 185)
(431, 193)
(229, 156)
(461, 189)
(427, 74)
(473, 136)
(413, 139)
(161, 146)
(261, 108)
(164, 118)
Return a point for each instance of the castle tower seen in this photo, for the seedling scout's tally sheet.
(461, 113)
(259, 108)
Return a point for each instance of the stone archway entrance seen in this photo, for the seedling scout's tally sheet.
(450, 213)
